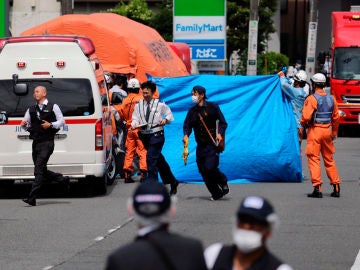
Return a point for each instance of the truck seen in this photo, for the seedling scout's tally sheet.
(345, 74)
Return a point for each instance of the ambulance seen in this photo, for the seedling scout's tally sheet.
(68, 67)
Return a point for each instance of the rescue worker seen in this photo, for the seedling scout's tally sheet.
(320, 114)
(207, 152)
(43, 120)
(151, 115)
(133, 143)
(295, 94)
(119, 85)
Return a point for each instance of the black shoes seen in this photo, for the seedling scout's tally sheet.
(225, 189)
(336, 192)
(30, 202)
(173, 187)
(216, 197)
(128, 180)
(316, 193)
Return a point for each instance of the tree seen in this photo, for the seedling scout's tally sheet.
(162, 20)
(238, 24)
(136, 10)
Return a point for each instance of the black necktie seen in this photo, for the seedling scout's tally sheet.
(147, 112)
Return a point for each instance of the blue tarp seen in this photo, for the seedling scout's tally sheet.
(261, 138)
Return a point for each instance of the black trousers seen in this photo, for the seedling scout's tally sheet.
(155, 160)
(41, 152)
(165, 172)
(207, 159)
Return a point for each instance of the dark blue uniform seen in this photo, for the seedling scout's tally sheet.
(207, 153)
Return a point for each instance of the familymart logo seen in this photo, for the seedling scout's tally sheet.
(199, 28)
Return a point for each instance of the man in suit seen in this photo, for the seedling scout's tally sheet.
(155, 247)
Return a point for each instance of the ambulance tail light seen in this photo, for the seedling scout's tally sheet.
(60, 64)
(21, 64)
(99, 145)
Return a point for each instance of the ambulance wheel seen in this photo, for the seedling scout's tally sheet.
(110, 174)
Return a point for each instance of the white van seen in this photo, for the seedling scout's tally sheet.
(67, 66)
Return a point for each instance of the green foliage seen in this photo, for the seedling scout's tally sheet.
(162, 20)
(136, 10)
(267, 63)
(238, 15)
(271, 62)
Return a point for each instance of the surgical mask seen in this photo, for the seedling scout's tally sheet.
(195, 99)
(247, 240)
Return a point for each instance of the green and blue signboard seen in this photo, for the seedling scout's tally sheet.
(202, 25)
(4, 18)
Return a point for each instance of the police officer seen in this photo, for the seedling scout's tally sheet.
(151, 115)
(155, 246)
(320, 114)
(207, 152)
(254, 222)
(43, 121)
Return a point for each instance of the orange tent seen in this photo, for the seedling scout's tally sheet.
(122, 45)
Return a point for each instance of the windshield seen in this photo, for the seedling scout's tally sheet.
(74, 96)
(347, 63)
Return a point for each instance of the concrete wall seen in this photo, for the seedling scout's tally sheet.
(25, 14)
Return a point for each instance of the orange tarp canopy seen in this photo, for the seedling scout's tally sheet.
(122, 45)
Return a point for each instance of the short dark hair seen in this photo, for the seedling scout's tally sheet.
(149, 84)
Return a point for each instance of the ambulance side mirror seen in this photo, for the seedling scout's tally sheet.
(21, 89)
(3, 118)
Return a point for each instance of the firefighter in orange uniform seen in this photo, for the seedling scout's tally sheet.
(133, 143)
(320, 114)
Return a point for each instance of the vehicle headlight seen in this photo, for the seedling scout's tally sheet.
(342, 113)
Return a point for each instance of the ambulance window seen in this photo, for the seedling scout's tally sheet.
(74, 96)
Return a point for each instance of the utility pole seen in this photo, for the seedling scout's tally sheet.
(67, 7)
(311, 42)
(253, 36)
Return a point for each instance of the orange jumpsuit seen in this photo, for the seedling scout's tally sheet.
(319, 140)
(133, 143)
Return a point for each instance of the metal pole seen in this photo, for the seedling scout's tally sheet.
(312, 35)
(253, 36)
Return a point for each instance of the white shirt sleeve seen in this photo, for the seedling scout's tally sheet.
(60, 121)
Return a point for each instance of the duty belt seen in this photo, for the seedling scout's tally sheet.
(152, 130)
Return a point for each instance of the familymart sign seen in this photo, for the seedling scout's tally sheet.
(202, 25)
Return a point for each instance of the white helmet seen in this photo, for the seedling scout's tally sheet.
(108, 77)
(300, 76)
(133, 83)
(319, 78)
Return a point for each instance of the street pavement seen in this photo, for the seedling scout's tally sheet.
(78, 232)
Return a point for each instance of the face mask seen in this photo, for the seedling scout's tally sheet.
(247, 240)
(195, 99)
